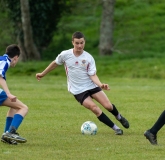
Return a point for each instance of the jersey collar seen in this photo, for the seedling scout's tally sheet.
(5, 55)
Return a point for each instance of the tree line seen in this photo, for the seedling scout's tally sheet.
(35, 23)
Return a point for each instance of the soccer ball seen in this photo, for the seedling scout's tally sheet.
(89, 128)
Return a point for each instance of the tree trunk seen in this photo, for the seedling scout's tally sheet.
(32, 52)
(23, 56)
(106, 28)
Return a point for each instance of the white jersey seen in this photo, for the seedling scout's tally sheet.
(78, 69)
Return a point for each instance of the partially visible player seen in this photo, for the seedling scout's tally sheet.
(151, 134)
(84, 83)
(17, 110)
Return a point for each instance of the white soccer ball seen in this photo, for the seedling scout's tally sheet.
(89, 128)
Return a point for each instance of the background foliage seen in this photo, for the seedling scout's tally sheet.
(139, 28)
(44, 18)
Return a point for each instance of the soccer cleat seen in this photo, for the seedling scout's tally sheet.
(4, 140)
(15, 137)
(124, 122)
(151, 137)
(119, 132)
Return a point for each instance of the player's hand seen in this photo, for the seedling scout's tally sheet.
(12, 97)
(105, 86)
(39, 76)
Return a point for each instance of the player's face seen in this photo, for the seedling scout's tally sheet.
(14, 61)
(78, 45)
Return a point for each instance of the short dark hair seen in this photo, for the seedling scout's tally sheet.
(13, 50)
(77, 35)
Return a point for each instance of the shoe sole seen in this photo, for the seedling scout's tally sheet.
(125, 125)
(4, 141)
(119, 134)
(145, 135)
(17, 140)
(8, 142)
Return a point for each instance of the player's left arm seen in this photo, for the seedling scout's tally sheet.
(96, 80)
(3, 84)
(94, 77)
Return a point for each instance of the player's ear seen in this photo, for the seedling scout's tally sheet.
(16, 57)
(73, 42)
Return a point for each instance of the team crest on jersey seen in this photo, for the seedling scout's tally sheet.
(83, 63)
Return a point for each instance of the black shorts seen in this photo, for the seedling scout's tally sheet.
(82, 96)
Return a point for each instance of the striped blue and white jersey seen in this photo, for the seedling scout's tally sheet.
(78, 70)
(4, 65)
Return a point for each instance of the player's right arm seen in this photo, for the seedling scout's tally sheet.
(50, 67)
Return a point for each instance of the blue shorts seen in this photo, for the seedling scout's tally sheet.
(3, 96)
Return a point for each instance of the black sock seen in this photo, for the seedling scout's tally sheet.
(114, 111)
(103, 118)
(158, 124)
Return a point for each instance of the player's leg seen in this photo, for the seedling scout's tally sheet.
(102, 98)
(20, 112)
(9, 118)
(89, 104)
(158, 124)
(151, 134)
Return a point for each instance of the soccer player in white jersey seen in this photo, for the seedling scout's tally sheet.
(84, 83)
(17, 110)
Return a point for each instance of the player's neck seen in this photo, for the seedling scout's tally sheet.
(77, 53)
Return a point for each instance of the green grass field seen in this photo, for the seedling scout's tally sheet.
(52, 126)
(135, 74)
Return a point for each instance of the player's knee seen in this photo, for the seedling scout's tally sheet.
(25, 109)
(109, 107)
(95, 109)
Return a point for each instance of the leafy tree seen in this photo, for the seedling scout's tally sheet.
(44, 16)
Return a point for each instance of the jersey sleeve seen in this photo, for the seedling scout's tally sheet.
(91, 67)
(3, 69)
(2, 74)
(60, 58)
